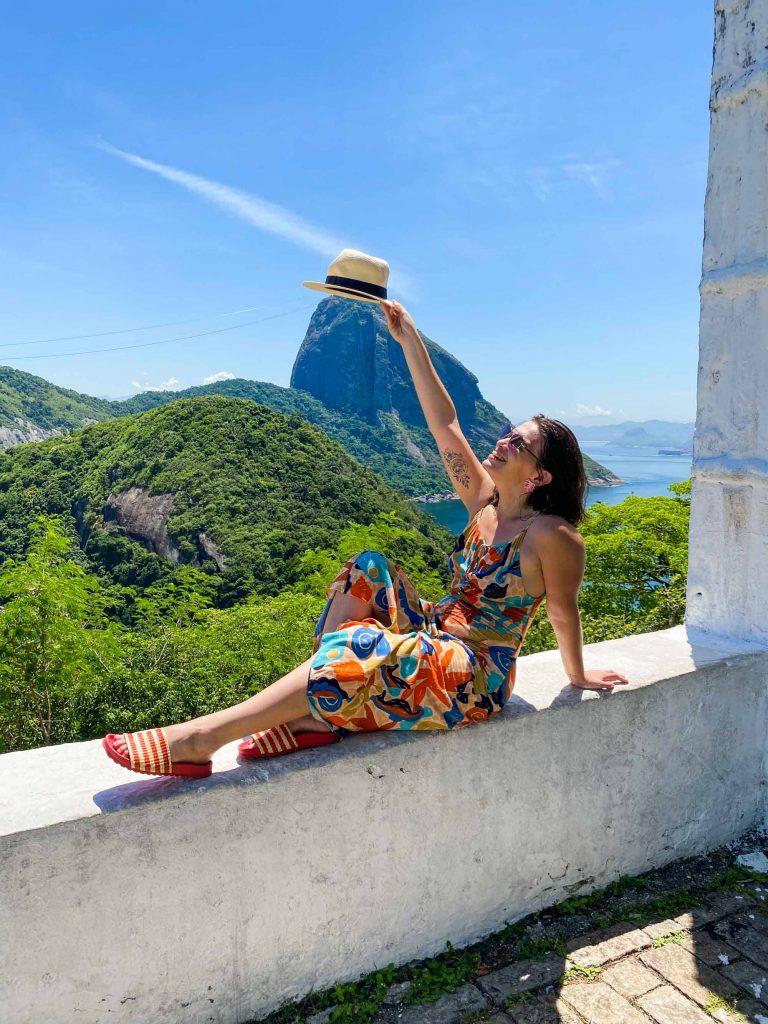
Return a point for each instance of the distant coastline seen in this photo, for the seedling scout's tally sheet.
(431, 499)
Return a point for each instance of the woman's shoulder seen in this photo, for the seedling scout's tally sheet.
(552, 529)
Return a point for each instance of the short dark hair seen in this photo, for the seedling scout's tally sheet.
(560, 454)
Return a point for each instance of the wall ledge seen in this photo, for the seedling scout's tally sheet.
(46, 786)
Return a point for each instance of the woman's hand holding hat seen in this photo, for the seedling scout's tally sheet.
(400, 322)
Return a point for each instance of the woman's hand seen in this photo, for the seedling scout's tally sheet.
(599, 679)
(400, 322)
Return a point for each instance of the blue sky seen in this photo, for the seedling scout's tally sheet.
(534, 174)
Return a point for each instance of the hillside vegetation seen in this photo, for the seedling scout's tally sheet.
(26, 398)
(222, 485)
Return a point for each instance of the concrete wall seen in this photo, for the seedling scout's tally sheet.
(128, 899)
(729, 524)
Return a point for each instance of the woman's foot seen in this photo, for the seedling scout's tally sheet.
(187, 743)
(184, 744)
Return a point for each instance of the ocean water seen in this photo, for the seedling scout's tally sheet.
(645, 472)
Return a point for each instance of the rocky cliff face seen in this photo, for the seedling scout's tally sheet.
(349, 362)
(143, 517)
(22, 431)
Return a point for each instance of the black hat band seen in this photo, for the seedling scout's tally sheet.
(357, 286)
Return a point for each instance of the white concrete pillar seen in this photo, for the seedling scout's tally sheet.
(728, 574)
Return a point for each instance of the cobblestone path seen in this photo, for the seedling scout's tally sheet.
(708, 964)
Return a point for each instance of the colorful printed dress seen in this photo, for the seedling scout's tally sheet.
(427, 665)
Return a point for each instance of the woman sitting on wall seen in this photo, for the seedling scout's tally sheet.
(384, 658)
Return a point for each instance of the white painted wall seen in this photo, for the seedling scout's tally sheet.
(126, 899)
(728, 577)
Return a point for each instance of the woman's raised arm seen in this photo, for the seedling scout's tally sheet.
(472, 483)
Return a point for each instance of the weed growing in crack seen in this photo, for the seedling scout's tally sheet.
(671, 938)
(578, 973)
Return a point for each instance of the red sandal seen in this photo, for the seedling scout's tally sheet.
(147, 752)
(281, 740)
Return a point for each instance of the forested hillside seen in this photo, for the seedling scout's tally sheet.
(32, 408)
(405, 455)
(223, 485)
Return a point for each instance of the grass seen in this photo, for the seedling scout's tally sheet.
(716, 1002)
(441, 974)
(656, 908)
(579, 904)
(532, 949)
(473, 1016)
(733, 878)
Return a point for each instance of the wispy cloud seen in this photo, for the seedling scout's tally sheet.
(592, 410)
(256, 211)
(221, 375)
(259, 213)
(596, 174)
(172, 384)
(540, 181)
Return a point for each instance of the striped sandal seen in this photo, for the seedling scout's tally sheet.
(281, 740)
(147, 752)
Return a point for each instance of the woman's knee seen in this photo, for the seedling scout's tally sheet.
(373, 564)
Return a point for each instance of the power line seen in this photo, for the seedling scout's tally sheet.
(127, 330)
(167, 341)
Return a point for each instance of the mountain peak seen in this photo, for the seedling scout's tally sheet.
(349, 361)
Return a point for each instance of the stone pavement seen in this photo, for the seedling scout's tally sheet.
(708, 964)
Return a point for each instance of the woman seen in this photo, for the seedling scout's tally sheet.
(383, 658)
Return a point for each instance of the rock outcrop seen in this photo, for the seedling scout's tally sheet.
(143, 517)
(23, 431)
(349, 362)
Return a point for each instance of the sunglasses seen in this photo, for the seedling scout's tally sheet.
(519, 443)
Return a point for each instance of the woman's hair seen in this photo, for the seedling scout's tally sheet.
(560, 454)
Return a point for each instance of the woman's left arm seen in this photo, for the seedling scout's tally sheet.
(561, 553)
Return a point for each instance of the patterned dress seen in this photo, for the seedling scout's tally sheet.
(426, 665)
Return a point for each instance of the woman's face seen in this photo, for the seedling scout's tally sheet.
(507, 464)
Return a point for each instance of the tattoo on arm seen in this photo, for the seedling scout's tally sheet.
(457, 466)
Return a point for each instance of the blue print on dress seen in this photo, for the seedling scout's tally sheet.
(502, 658)
(453, 717)
(327, 693)
(415, 618)
(363, 641)
(425, 646)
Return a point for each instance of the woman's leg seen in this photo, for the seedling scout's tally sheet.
(284, 701)
(344, 608)
(281, 702)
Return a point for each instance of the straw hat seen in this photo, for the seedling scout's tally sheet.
(355, 275)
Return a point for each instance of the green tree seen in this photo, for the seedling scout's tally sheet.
(55, 640)
(178, 600)
(636, 569)
(388, 534)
